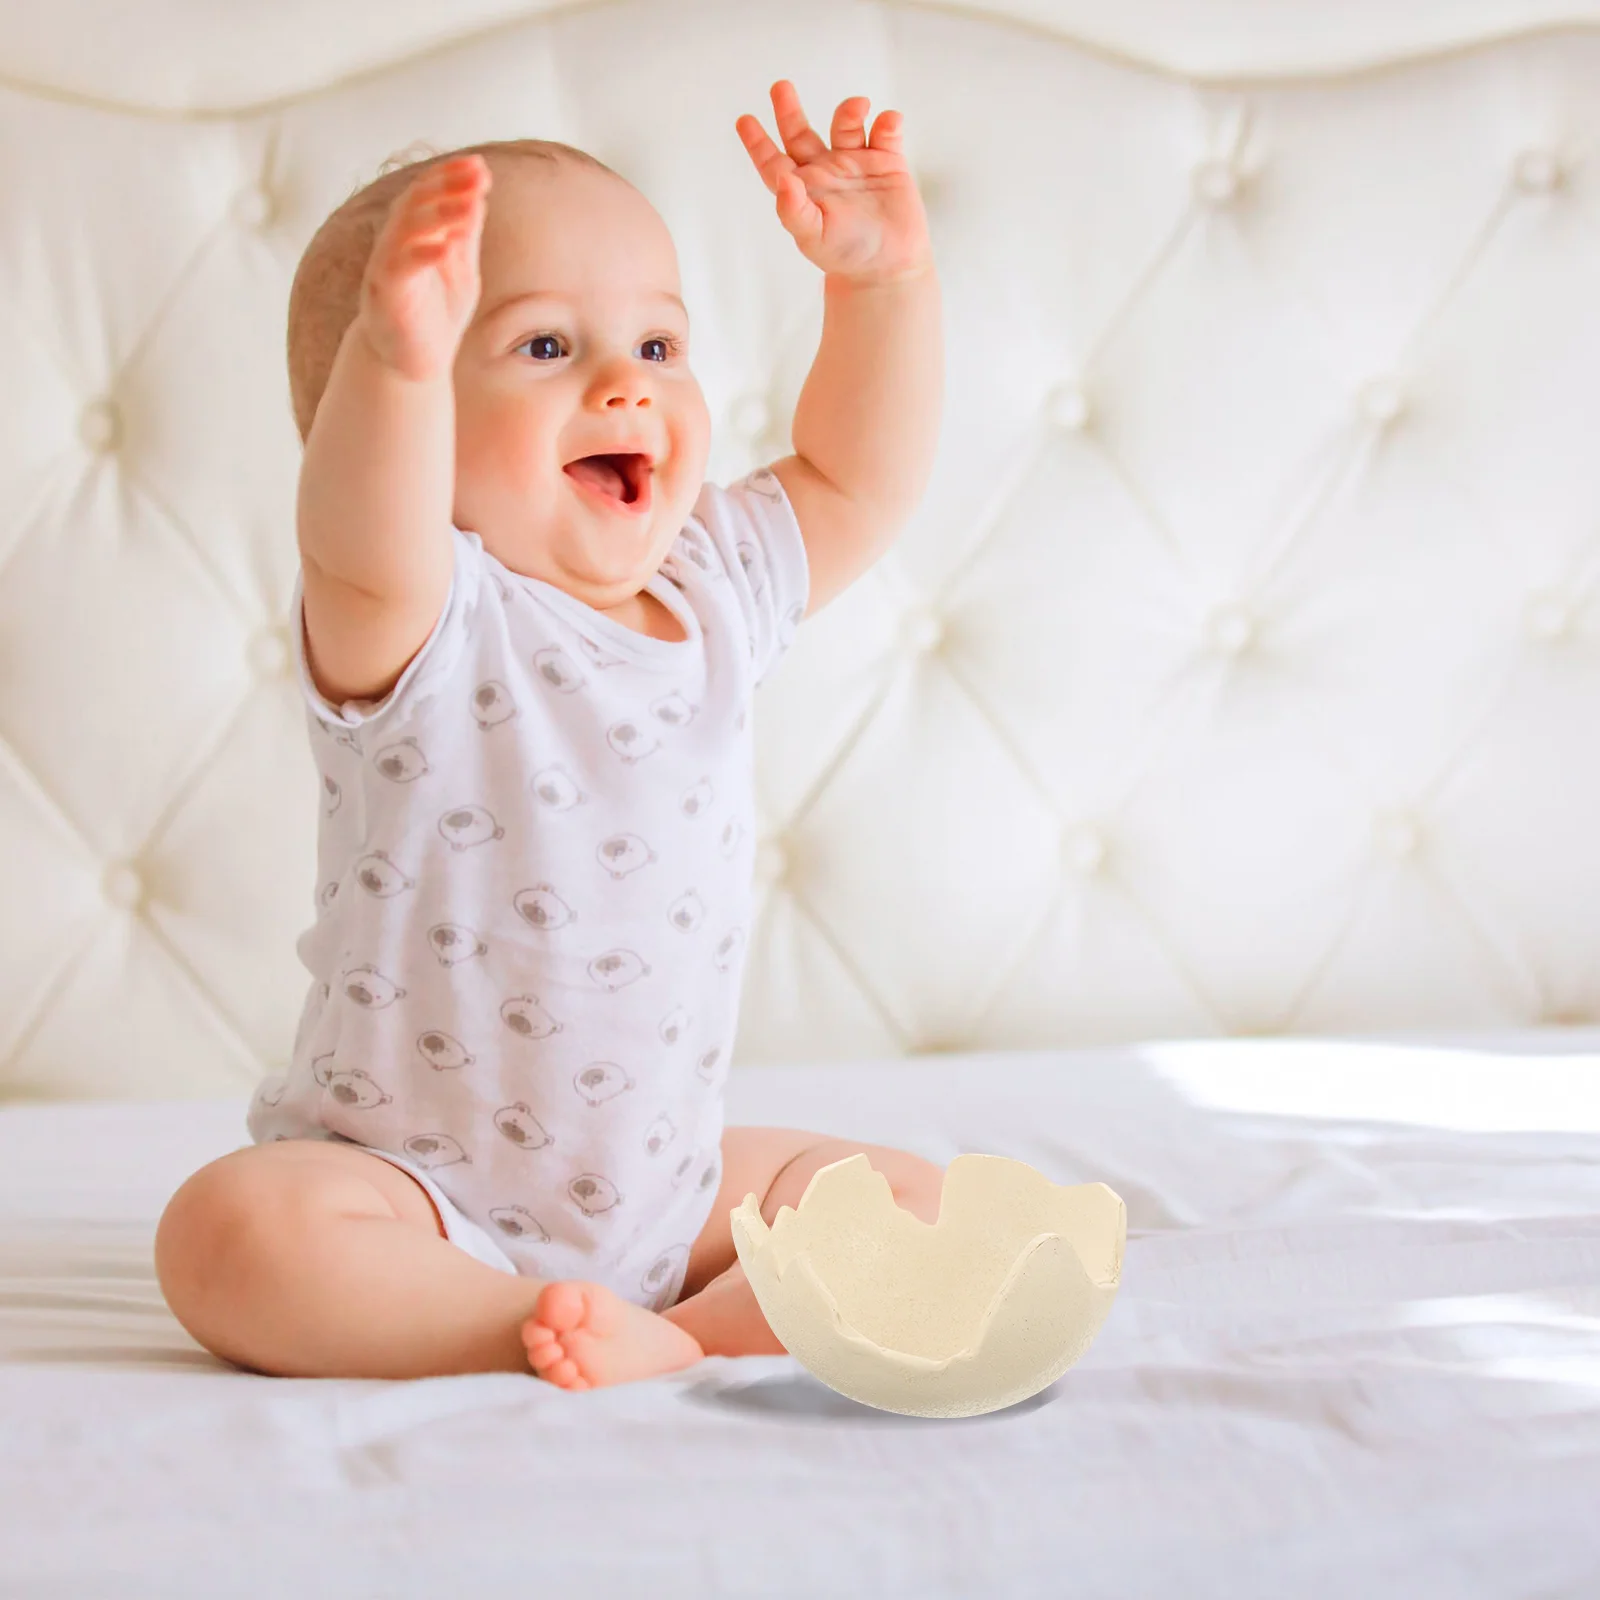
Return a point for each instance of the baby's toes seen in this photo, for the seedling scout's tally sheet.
(561, 1308)
(554, 1336)
(562, 1372)
(540, 1342)
(546, 1355)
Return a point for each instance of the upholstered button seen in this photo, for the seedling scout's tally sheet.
(750, 416)
(1549, 616)
(123, 886)
(1068, 407)
(252, 207)
(1083, 848)
(1536, 171)
(772, 862)
(269, 652)
(1398, 833)
(100, 425)
(1382, 400)
(922, 632)
(1230, 630)
(1216, 182)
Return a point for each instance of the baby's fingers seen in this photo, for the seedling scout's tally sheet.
(888, 132)
(849, 131)
(441, 196)
(443, 216)
(427, 213)
(458, 176)
(407, 254)
(770, 161)
(421, 253)
(443, 228)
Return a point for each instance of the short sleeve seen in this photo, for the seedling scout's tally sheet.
(758, 544)
(430, 669)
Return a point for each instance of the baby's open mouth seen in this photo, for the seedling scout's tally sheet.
(624, 478)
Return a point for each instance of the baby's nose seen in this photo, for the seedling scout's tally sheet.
(623, 384)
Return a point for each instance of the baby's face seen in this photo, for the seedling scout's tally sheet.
(597, 363)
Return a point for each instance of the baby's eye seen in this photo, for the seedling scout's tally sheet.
(540, 338)
(671, 345)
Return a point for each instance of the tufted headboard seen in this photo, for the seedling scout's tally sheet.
(1240, 671)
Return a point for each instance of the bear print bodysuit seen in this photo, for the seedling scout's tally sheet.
(535, 869)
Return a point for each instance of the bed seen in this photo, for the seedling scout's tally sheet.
(1198, 799)
(1356, 1351)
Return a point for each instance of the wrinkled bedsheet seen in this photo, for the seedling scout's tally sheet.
(1356, 1352)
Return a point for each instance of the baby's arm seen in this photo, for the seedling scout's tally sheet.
(867, 423)
(377, 484)
(866, 426)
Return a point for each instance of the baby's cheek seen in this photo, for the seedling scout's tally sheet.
(697, 424)
(691, 441)
(501, 457)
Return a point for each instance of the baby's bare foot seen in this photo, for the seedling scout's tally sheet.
(582, 1336)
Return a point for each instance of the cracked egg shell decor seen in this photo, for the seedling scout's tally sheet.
(982, 1309)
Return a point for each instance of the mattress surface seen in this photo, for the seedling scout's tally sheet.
(1356, 1351)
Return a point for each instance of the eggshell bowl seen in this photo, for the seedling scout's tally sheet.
(979, 1310)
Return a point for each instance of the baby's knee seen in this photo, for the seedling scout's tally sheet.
(229, 1230)
(199, 1234)
(916, 1184)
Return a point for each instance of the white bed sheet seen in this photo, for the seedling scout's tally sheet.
(1356, 1352)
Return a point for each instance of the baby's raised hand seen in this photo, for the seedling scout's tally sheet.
(853, 210)
(421, 284)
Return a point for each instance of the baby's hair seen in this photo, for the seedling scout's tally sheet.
(326, 292)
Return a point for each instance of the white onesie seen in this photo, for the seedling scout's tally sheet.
(535, 874)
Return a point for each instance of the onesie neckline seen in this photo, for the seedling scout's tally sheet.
(643, 648)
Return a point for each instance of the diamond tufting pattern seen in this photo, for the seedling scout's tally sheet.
(1239, 673)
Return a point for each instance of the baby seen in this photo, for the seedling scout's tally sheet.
(528, 633)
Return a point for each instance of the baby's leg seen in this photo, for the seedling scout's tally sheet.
(723, 1314)
(307, 1258)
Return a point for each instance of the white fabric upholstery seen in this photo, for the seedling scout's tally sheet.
(1239, 673)
(1354, 1354)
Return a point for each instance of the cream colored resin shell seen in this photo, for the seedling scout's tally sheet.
(977, 1311)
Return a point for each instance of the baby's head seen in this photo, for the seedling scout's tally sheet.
(598, 363)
